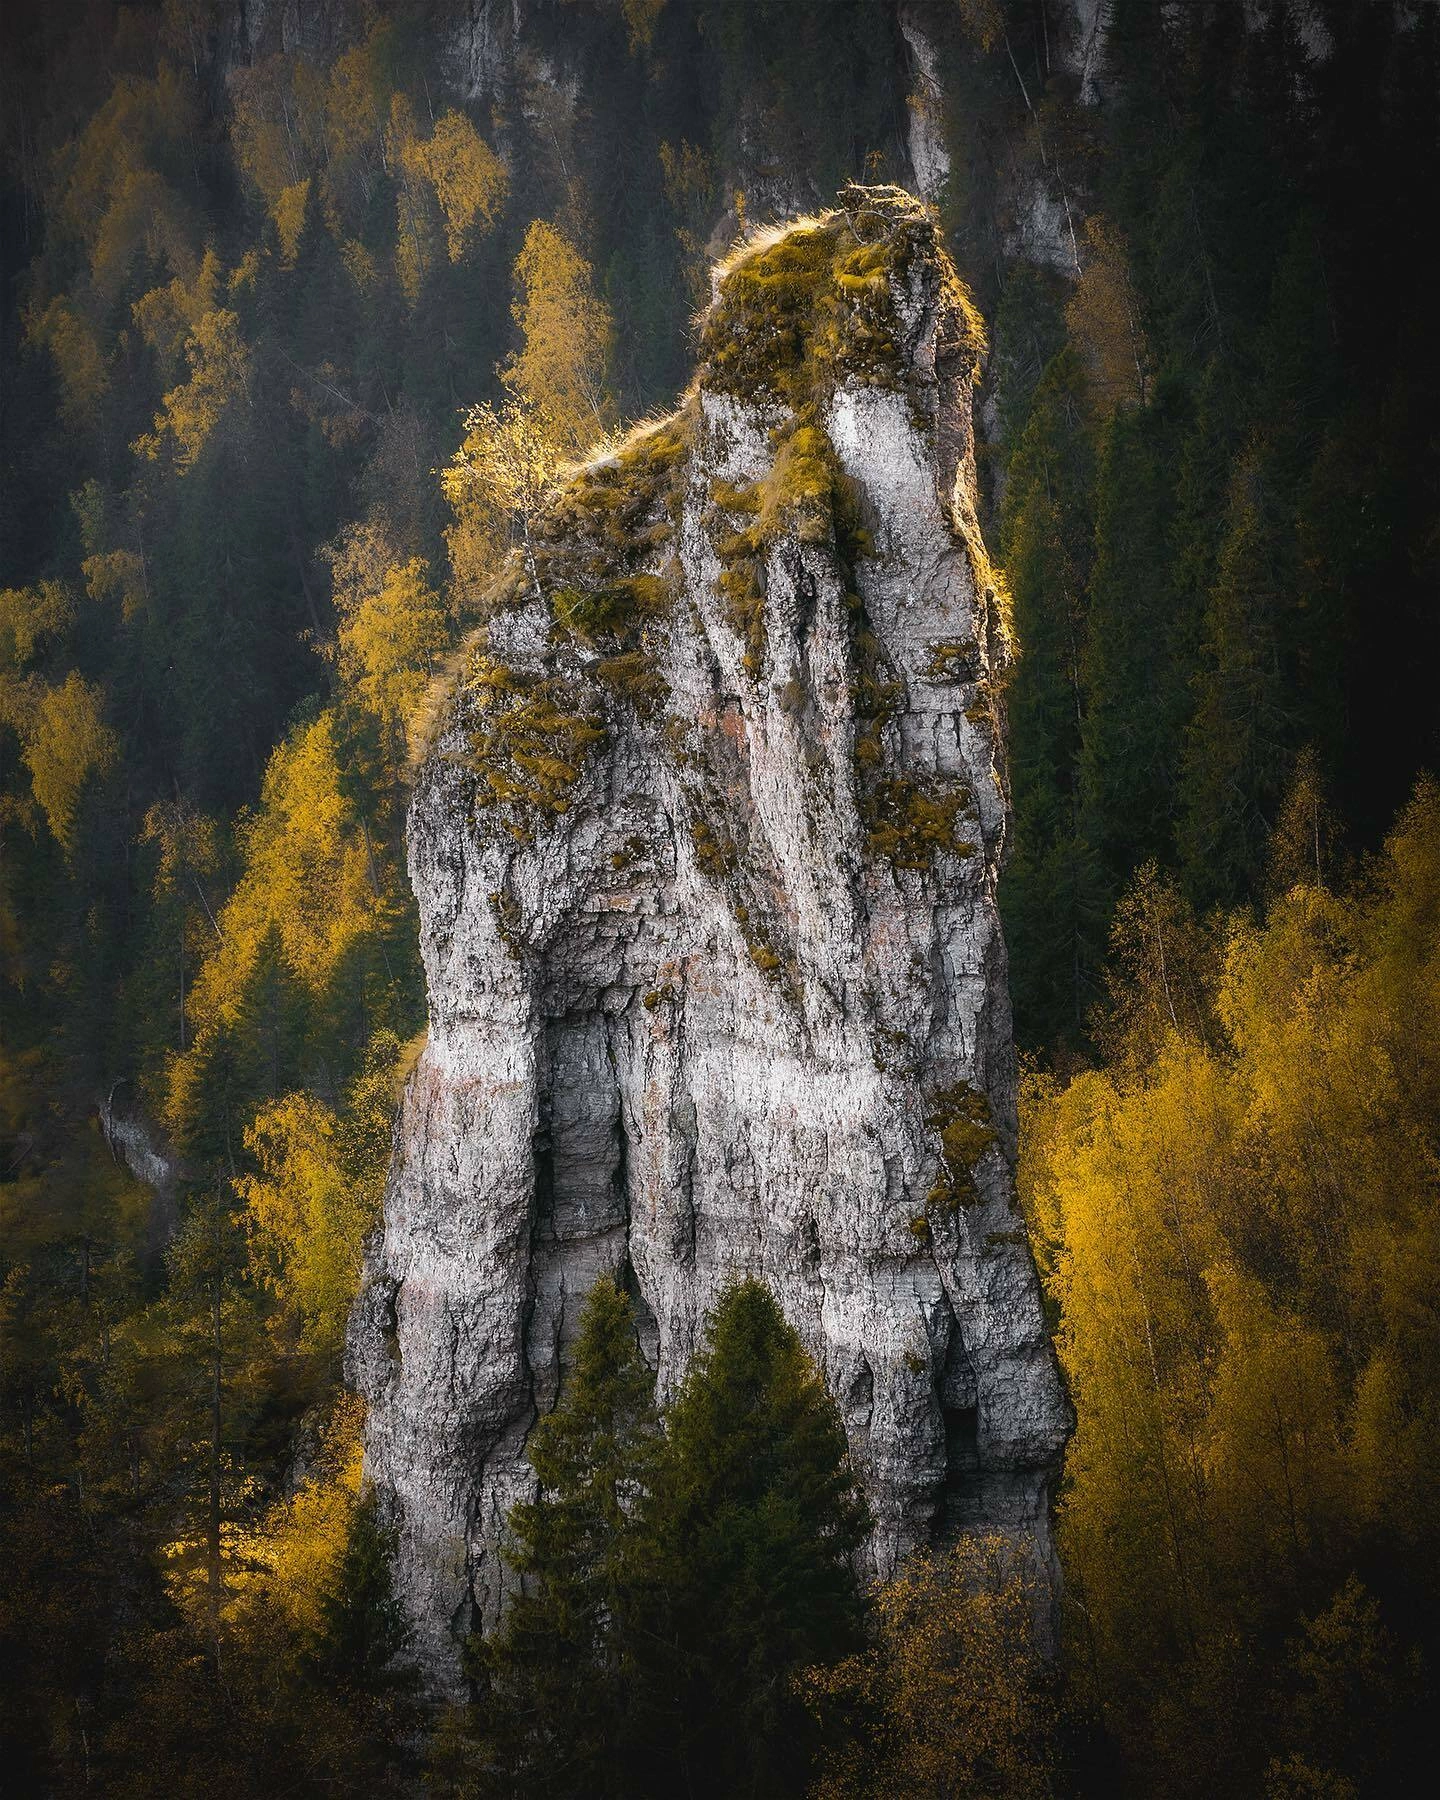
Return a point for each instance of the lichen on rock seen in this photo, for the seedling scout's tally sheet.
(706, 848)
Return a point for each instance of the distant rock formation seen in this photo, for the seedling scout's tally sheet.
(706, 852)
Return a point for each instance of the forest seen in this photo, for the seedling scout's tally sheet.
(301, 316)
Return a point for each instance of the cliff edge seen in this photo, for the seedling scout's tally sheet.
(706, 850)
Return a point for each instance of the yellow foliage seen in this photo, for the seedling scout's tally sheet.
(74, 347)
(244, 275)
(289, 1561)
(512, 456)
(507, 455)
(688, 175)
(360, 265)
(469, 179)
(306, 1217)
(414, 232)
(219, 376)
(263, 144)
(116, 574)
(505, 469)
(139, 116)
(293, 1558)
(356, 109)
(689, 179)
(317, 1191)
(289, 216)
(953, 1692)
(304, 1538)
(1103, 319)
(1274, 1451)
(393, 628)
(298, 1206)
(1240, 1225)
(276, 127)
(356, 101)
(984, 20)
(1303, 837)
(307, 136)
(307, 877)
(30, 616)
(559, 372)
(66, 742)
(167, 315)
(144, 217)
(188, 846)
(105, 190)
(641, 17)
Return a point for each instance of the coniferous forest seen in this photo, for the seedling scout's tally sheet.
(303, 307)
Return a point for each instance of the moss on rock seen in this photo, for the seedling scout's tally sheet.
(910, 821)
(527, 738)
(806, 306)
(961, 1115)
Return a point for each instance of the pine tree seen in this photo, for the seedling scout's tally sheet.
(1236, 758)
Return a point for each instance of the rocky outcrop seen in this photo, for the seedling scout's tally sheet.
(135, 1144)
(925, 136)
(706, 852)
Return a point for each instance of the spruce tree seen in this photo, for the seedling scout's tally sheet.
(1055, 935)
(1237, 755)
(744, 1567)
(556, 1673)
(1134, 677)
(363, 1629)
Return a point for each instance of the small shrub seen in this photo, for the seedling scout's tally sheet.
(633, 676)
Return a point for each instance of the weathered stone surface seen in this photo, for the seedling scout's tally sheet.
(705, 1001)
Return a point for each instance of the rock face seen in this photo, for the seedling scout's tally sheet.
(706, 851)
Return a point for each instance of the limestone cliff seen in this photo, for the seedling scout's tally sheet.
(706, 851)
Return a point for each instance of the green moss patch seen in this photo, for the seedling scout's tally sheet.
(908, 819)
(633, 676)
(961, 1115)
(528, 739)
(805, 496)
(802, 309)
(508, 920)
(611, 514)
(955, 661)
(611, 613)
(715, 852)
(911, 821)
(797, 313)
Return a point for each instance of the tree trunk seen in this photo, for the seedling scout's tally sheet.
(212, 1532)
